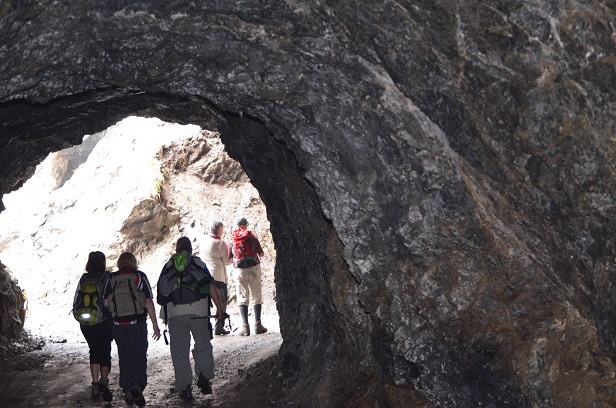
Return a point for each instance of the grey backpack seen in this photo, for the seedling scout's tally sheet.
(126, 301)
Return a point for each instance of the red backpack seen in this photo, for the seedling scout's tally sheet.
(243, 250)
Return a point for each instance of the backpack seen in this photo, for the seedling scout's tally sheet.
(126, 301)
(243, 251)
(183, 282)
(88, 302)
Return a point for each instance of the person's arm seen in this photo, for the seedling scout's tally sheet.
(149, 305)
(224, 253)
(257, 246)
(106, 292)
(77, 291)
(230, 250)
(216, 299)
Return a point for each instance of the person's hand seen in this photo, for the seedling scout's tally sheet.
(156, 335)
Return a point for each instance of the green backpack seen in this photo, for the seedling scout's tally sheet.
(183, 282)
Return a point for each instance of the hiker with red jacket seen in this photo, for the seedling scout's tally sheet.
(245, 251)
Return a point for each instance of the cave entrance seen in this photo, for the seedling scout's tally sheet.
(137, 186)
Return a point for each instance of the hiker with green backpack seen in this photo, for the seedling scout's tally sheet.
(184, 290)
(95, 322)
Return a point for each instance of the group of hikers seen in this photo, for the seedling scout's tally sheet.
(116, 306)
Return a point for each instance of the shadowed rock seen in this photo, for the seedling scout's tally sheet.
(439, 177)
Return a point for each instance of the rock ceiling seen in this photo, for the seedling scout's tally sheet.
(439, 176)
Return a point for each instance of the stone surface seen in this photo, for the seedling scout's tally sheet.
(12, 305)
(438, 176)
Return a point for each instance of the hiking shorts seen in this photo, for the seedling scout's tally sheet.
(249, 285)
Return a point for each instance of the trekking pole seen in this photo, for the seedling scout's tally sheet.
(228, 319)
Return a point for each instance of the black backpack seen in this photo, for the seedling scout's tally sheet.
(183, 282)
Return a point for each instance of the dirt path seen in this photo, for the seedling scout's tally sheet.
(58, 374)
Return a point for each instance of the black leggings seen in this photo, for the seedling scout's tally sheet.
(99, 340)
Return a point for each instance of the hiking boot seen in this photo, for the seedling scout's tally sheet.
(204, 384)
(137, 393)
(220, 328)
(186, 393)
(95, 392)
(103, 387)
(259, 328)
(128, 398)
(245, 330)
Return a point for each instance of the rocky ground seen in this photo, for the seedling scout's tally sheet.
(198, 184)
(56, 373)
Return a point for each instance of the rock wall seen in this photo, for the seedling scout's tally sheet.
(12, 307)
(439, 176)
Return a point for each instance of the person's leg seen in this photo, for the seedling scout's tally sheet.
(244, 313)
(202, 351)
(255, 291)
(257, 310)
(220, 324)
(222, 290)
(101, 348)
(243, 293)
(255, 286)
(95, 371)
(139, 344)
(102, 358)
(121, 337)
(179, 344)
(202, 355)
(90, 337)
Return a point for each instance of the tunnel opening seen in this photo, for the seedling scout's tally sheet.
(321, 322)
(137, 186)
(121, 190)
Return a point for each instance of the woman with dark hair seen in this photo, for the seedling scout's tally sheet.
(96, 328)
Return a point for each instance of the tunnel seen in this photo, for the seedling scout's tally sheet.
(437, 176)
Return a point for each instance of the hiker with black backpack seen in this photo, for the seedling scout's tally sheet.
(95, 322)
(184, 289)
(128, 295)
(246, 252)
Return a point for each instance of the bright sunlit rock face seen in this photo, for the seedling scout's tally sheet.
(438, 176)
(91, 197)
(76, 203)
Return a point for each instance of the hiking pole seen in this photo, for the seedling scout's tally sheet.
(228, 318)
(165, 337)
(204, 317)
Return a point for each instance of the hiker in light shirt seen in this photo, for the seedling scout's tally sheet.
(215, 255)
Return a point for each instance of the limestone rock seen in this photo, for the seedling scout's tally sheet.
(12, 306)
(147, 221)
